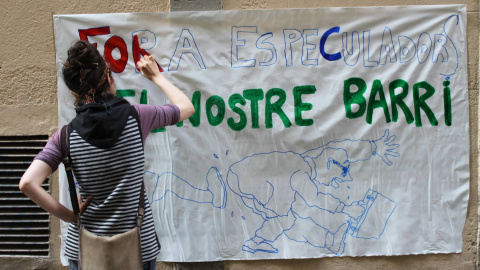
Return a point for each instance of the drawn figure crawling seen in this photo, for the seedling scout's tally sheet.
(303, 195)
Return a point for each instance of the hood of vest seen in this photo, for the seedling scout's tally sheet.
(101, 124)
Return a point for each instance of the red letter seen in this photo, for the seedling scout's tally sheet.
(85, 33)
(139, 52)
(116, 65)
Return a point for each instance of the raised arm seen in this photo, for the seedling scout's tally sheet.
(149, 69)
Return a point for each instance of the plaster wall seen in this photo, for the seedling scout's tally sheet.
(28, 106)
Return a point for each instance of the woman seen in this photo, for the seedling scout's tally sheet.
(106, 147)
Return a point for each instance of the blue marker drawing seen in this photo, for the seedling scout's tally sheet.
(301, 195)
(455, 47)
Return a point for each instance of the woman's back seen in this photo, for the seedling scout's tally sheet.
(111, 172)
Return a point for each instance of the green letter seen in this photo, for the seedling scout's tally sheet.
(350, 98)
(195, 118)
(254, 95)
(276, 107)
(232, 102)
(381, 103)
(125, 93)
(218, 101)
(398, 100)
(419, 102)
(298, 91)
(447, 103)
(143, 97)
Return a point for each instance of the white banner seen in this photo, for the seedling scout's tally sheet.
(317, 132)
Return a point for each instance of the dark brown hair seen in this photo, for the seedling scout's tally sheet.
(86, 74)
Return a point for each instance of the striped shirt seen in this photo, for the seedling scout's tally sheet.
(113, 177)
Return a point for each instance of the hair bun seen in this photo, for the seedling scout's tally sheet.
(86, 73)
(81, 54)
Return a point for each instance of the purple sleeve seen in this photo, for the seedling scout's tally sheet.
(52, 152)
(152, 117)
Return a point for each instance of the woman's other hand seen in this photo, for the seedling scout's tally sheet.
(71, 217)
(83, 205)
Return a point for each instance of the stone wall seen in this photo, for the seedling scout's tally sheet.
(28, 106)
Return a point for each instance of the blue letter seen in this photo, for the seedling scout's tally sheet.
(407, 51)
(264, 45)
(424, 47)
(387, 50)
(329, 57)
(438, 45)
(238, 42)
(346, 53)
(366, 61)
(306, 60)
(292, 35)
(185, 44)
